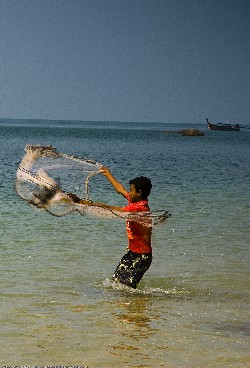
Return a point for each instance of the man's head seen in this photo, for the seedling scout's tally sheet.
(142, 186)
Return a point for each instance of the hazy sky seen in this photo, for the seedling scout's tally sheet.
(125, 60)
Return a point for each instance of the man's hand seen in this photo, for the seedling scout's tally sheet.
(104, 171)
(73, 197)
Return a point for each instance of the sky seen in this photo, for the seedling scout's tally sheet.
(176, 61)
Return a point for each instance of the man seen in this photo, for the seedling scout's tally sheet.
(138, 257)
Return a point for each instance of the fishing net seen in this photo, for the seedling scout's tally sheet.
(46, 178)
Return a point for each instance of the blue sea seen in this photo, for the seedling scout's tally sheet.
(58, 303)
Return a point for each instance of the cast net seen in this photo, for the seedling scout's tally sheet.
(46, 178)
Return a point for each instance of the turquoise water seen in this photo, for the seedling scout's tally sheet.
(58, 305)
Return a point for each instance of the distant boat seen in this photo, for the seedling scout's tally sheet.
(225, 127)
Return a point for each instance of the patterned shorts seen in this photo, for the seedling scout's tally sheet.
(131, 268)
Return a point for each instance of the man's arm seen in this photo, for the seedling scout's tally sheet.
(76, 199)
(114, 182)
(102, 205)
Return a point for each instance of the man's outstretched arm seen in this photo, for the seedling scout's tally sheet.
(76, 199)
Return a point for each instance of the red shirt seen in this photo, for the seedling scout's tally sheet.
(139, 236)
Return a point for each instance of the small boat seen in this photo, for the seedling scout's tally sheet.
(225, 127)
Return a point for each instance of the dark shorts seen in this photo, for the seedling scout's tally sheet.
(131, 268)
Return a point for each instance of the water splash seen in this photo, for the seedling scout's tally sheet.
(151, 291)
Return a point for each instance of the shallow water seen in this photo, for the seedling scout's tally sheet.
(58, 305)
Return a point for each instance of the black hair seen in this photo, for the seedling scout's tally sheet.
(142, 184)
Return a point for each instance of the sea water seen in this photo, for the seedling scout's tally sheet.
(58, 303)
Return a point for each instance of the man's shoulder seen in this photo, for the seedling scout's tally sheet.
(137, 206)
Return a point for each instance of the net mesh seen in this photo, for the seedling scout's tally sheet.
(45, 177)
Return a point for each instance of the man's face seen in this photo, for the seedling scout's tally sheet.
(134, 195)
